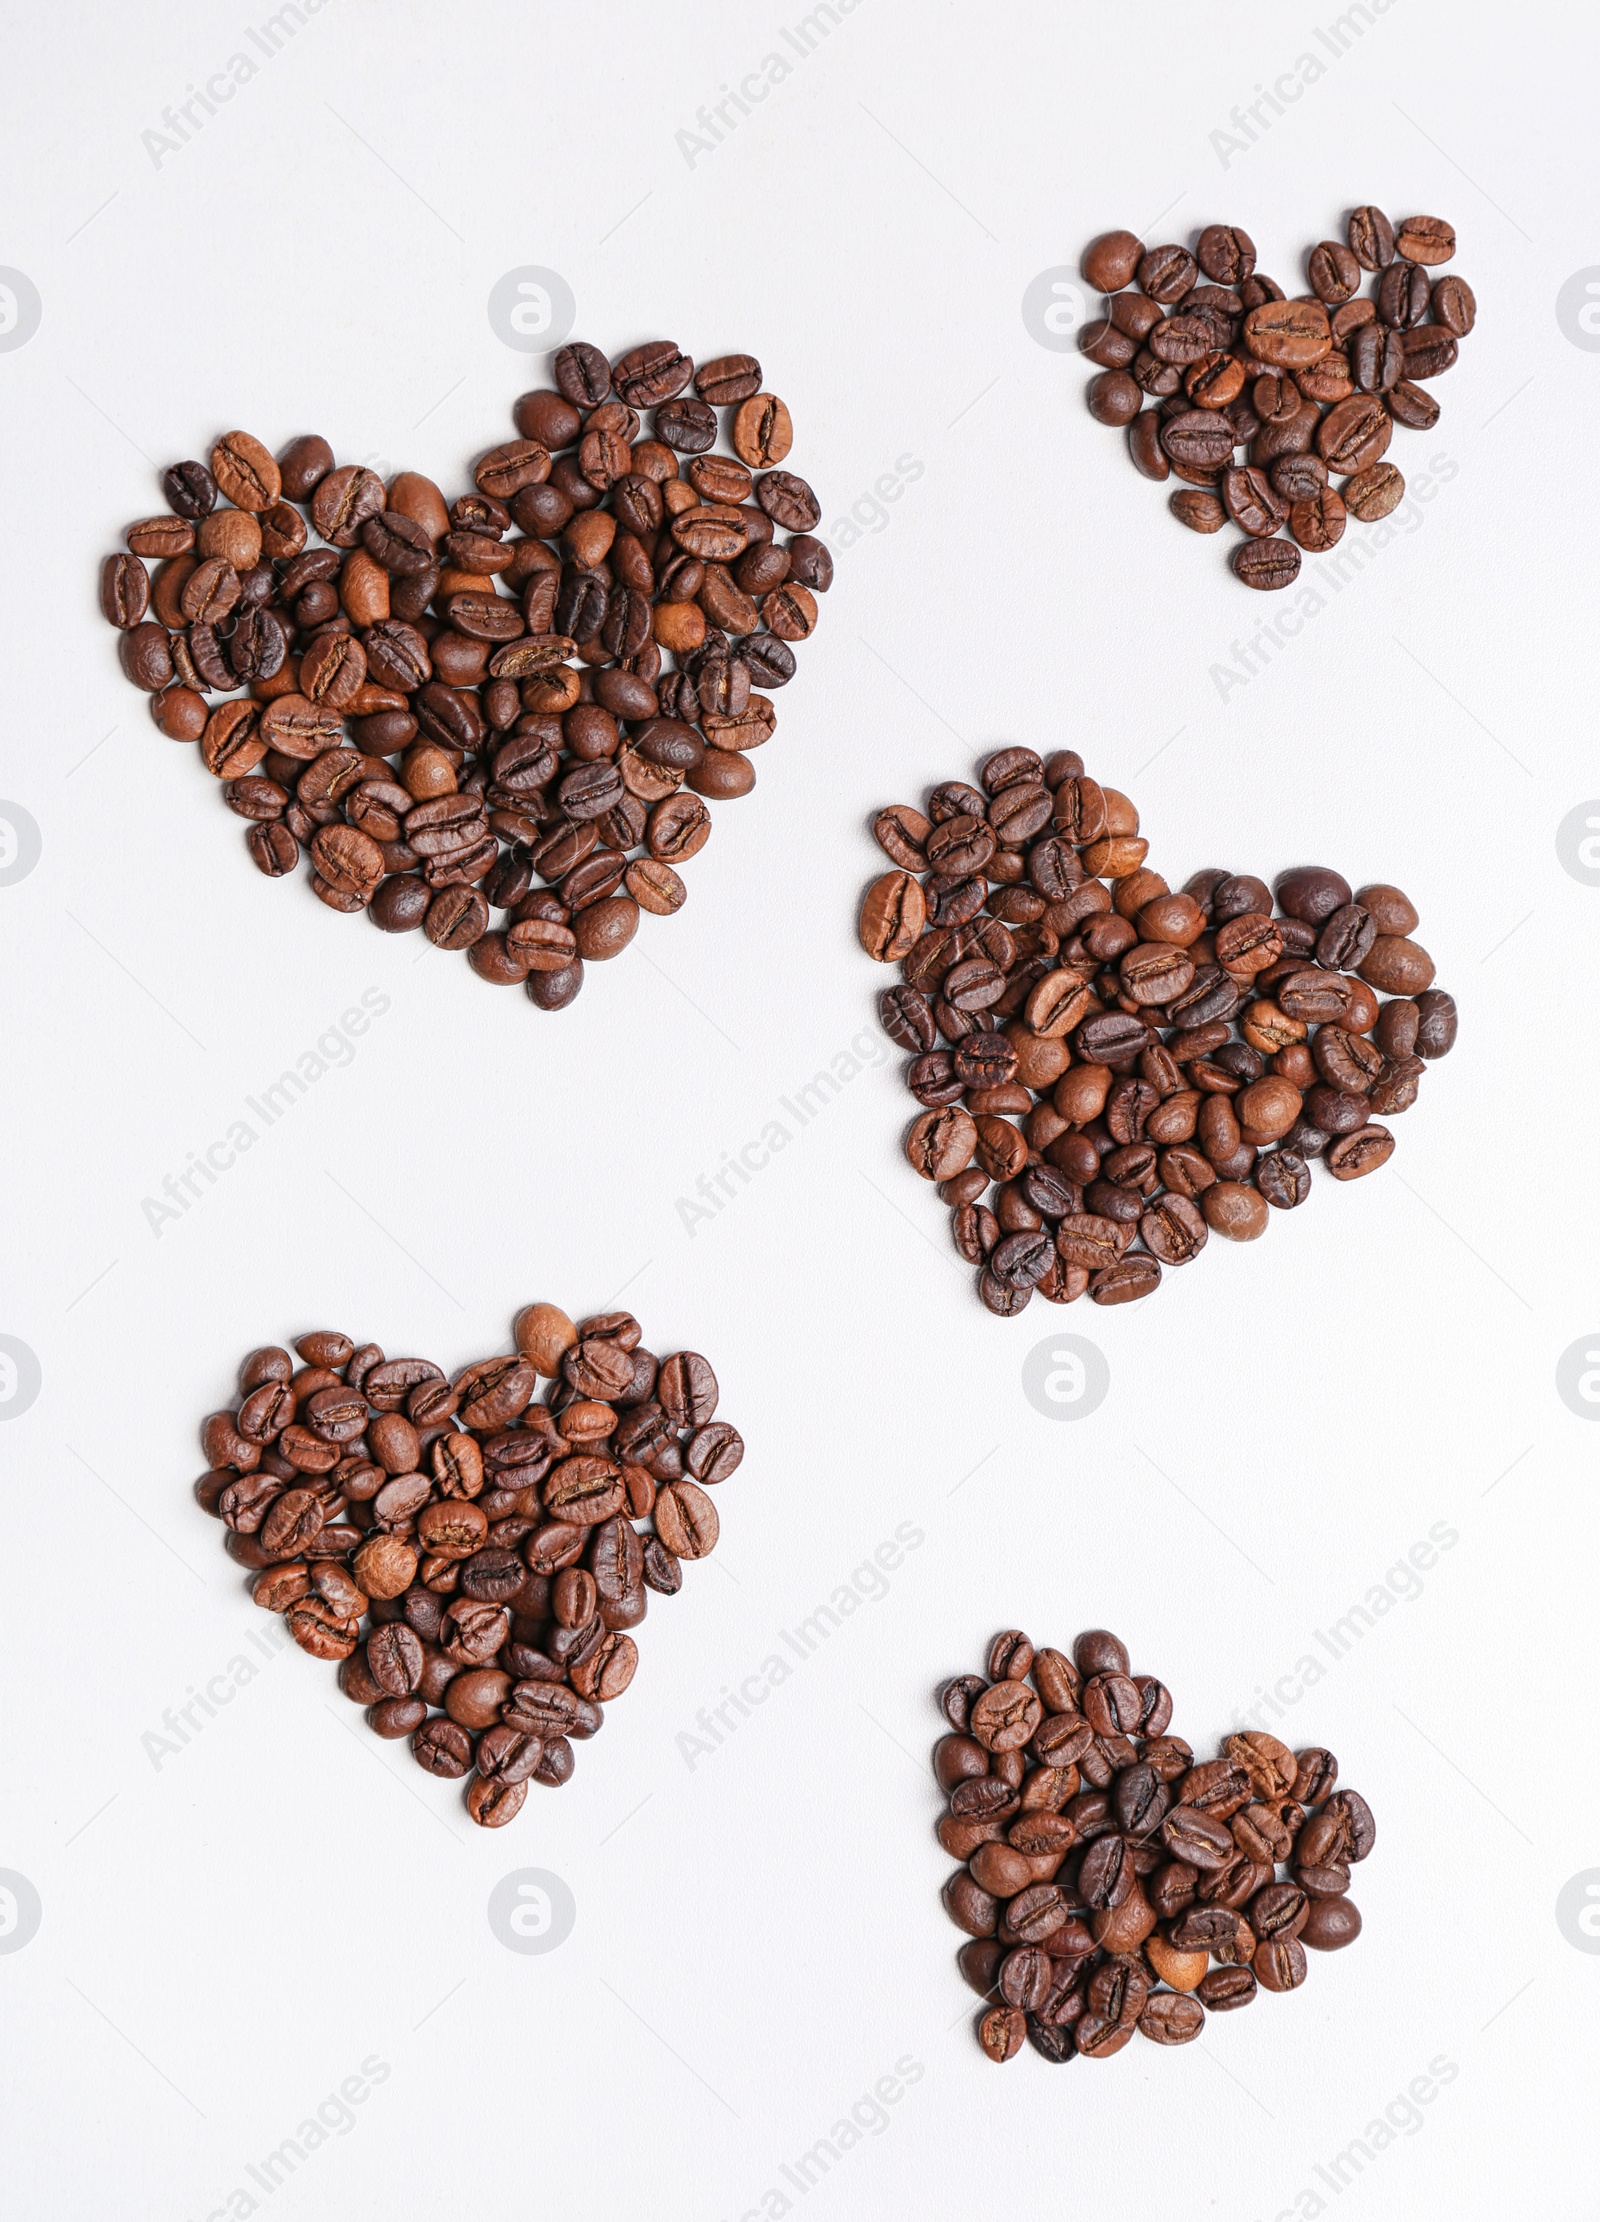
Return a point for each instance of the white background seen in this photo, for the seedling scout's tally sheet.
(227, 1936)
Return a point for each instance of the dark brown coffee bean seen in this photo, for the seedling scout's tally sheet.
(1166, 273)
(1411, 406)
(1436, 1023)
(1226, 254)
(1201, 438)
(1362, 1152)
(1428, 350)
(1226, 1988)
(649, 375)
(1267, 564)
(1250, 501)
(145, 652)
(1377, 358)
(1297, 478)
(1454, 305)
(1371, 238)
(1172, 2018)
(729, 379)
(124, 591)
(1404, 295)
(1334, 271)
(1280, 1963)
(1317, 520)
(1330, 1924)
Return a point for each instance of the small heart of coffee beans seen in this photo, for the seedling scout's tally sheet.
(1112, 1072)
(1110, 1886)
(473, 1552)
(1201, 356)
(518, 703)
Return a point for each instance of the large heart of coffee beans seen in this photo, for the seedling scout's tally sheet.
(521, 702)
(473, 1553)
(1131, 1070)
(1203, 355)
(1114, 1886)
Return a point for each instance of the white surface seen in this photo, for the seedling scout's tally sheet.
(228, 1937)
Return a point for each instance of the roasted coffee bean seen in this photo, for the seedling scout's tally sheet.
(1298, 477)
(1436, 1023)
(1330, 1924)
(1403, 295)
(1166, 273)
(1225, 1988)
(1362, 1152)
(1251, 502)
(1377, 358)
(1425, 239)
(190, 489)
(1334, 272)
(1283, 1179)
(1371, 238)
(1317, 520)
(1200, 512)
(1172, 2018)
(1288, 335)
(1200, 439)
(1280, 1963)
(1267, 564)
(1455, 306)
(124, 591)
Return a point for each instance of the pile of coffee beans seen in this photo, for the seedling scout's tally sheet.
(1311, 388)
(473, 1554)
(1112, 1884)
(520, 703)
(1132, 1069)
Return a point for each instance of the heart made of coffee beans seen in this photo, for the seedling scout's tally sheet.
(1113, 1886)
(1133, 1069)
(1310, 388)
(472, 1553)
(467, 709)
